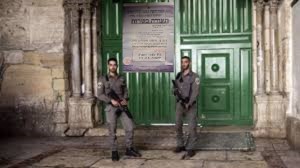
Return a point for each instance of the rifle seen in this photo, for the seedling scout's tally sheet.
(182, 100)
(112, 94)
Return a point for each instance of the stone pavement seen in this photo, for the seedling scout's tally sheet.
(59, 152)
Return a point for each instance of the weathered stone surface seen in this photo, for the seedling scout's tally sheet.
(68, 161)
(43, 3)
(173, 163)
(46, 25)
(60, 116)
(263, 144)
(33, 58)
(84, 152)
(52, 60)
(26, 82)
(60, 129)
(103, 131)
(80, 112)
(13, 56)
(233, 155)
(130, 163)
(9, 8)
(58, 73)
(293, 132)
(240, 164)
(160, 154)
(271, 119)
(281, 146)
(290, 158)
(13, 33)
(210, 155)
(60, 84)
(76, 132)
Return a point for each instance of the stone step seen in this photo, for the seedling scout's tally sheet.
(155, 131)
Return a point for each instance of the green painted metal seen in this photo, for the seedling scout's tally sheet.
(216, 34)
(151, 100)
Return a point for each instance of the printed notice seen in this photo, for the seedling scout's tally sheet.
(148, 37)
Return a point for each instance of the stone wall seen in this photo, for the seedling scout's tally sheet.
(293, 121)
(34, 81)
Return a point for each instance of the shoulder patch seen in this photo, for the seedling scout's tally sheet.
(100, 85)
(197, 81)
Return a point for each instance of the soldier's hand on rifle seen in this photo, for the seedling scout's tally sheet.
(115, 103)
(124, 102)
(187, 106)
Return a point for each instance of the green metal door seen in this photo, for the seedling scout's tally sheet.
(216, 34)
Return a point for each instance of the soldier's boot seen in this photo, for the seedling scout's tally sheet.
(115, 156)
(132, 152)
(191, 153)
(179, 149)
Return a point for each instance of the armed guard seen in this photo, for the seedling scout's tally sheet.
(116, 107)
(186, 90)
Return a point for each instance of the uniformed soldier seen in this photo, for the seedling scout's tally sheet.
(188, 87)
(113, 81)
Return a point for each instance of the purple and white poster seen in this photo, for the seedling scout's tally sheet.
(148, 37)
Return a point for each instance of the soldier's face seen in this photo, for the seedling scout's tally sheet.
(185, 64)
(112, 66)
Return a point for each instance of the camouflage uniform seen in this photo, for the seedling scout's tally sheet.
(118, 84)
(188, 86)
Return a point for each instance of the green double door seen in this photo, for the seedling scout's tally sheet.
(216, 34)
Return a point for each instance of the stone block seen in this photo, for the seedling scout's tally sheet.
(60, 129)
(27, 82)
(239, 164)
(10, 8)
(75, 132)
(126, 163)
(60, 117)
(236, 155)
(60, 84)
(33, 58)
(103, 131)
(46, 25)
(210, 155)
(270, 120)
(81, 112)
(14, 33)
(58, 161)
(58, 73)
(13, 56)
(43, 3)
(52, 60)
(293, 132)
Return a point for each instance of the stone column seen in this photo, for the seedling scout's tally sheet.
(82, 49)
(81, 108)
(95, 48)
(88, 93)
(75, 60)
(274, 46)
(259, 45)
(269, 107)
(267, 52)
(95, 61)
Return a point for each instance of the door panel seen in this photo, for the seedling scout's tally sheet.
(216, 83)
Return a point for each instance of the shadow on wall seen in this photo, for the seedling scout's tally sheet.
(28, 120)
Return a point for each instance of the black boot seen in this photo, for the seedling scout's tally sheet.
(179, 149)
(191, 153)
(132, 152)
(115, 156)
